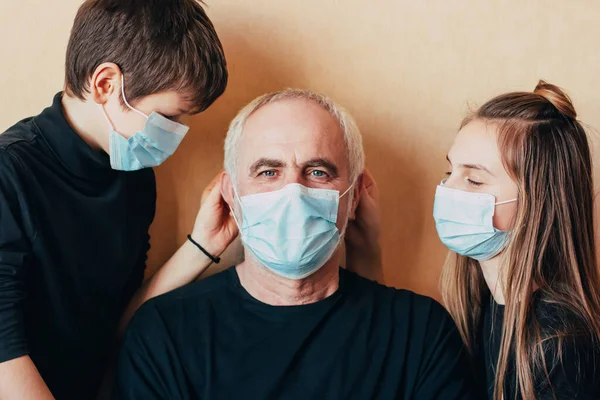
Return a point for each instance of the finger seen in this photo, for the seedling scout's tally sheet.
(351, 235)
(370, 185)
(210, 188)
(214, 200)
(366, 200)
(367, 178)
(232, 225)
(367, 212)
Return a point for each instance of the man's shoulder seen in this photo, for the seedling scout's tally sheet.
(407, 305)
(195, 295)
(402, 296)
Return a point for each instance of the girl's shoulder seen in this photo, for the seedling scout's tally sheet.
(570, 362)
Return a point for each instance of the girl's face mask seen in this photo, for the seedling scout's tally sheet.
(464, 222)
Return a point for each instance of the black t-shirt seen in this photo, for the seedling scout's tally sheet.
(73, 240)
(213, 340)
(575, 375)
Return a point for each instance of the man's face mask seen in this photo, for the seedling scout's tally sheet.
(291, 231)
(147, 148)
(464, 222)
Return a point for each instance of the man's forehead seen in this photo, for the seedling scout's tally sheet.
(291, 154)
(292, 133)
(292, 113)
(295, 123)
(290, 150)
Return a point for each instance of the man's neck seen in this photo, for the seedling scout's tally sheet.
(85, 117)
(493, 278)
(270, 288)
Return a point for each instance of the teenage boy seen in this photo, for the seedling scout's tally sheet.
(77, 192)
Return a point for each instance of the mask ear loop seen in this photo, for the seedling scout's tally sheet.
(347, 190)
(343, 231)
(112, 126)
(125, 99)
(505, 202)
(106, 116)
(236, 197)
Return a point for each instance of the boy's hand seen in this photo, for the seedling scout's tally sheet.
(215, 227)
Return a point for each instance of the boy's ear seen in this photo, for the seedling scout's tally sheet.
(105, 80)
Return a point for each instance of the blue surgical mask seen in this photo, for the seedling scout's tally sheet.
(291, 231)
(147, 148)
(464, 222)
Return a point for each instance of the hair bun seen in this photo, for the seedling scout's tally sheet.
(557, 97)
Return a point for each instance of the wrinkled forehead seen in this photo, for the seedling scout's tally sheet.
(292, 131)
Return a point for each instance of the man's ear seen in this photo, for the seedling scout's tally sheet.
(227, 190)
(104, 82)
(356, 191)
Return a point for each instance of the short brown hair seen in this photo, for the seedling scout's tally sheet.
(158, 44)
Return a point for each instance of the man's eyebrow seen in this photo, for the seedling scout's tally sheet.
(266, 162)
(322, 162)
(478, 167)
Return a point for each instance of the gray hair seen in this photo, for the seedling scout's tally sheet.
(352, 136)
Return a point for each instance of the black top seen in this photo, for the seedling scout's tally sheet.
(575, 376)
(213, 340)
(73, 243)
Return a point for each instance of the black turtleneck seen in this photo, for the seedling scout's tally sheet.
(73, 243)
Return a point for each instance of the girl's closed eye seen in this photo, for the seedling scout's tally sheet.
(474, 183)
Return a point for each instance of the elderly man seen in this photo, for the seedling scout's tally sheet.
(288, 322)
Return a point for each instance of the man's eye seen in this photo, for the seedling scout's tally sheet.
(268, 174)
(318, 173)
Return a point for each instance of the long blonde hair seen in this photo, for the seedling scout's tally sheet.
(551, 247)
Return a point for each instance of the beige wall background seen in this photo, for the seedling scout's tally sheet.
(407, 70)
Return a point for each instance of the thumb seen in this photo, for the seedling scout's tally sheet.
(208, 191)
(213, 200)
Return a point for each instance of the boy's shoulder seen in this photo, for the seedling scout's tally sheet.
(22, 134)
(18, 144)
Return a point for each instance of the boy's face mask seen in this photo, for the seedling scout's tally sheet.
(147, 148)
